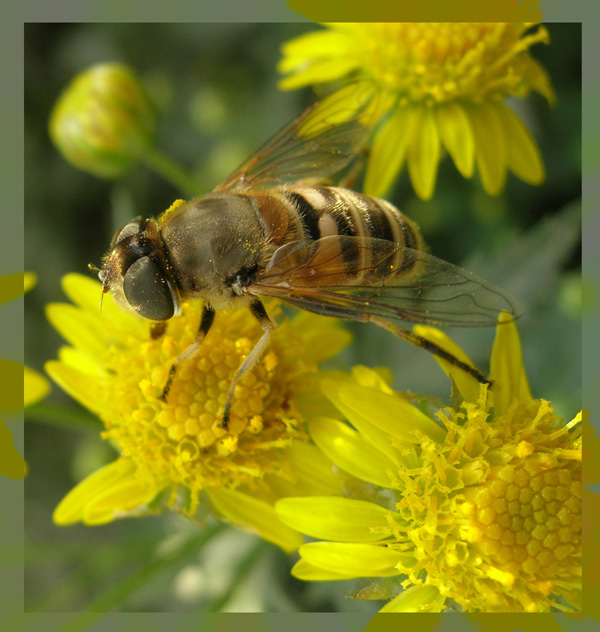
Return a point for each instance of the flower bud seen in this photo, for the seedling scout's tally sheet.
(104, 120)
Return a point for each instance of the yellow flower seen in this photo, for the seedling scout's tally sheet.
(482, 510)
(21, 386)
(442, 88)
(104, 121)
(172, 452)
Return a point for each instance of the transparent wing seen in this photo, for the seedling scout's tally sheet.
(355, 278)
(322, 145)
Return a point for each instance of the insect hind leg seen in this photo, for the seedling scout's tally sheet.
(254, 356)
(423, 343)
(208, 316)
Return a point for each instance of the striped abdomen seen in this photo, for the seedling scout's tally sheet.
(317, 212)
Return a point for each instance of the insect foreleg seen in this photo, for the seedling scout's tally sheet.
(259, 312)
(423, 343)
(157, 329)
(208, 316)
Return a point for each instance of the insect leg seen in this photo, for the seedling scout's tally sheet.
(423, 343)
(260, 313)
(157, 329)
(208, 316)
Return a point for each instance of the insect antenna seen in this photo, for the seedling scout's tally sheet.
(100, 274)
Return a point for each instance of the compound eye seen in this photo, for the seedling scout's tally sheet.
(148, 291)
(132, 228)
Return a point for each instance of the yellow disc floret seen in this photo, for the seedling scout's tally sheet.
(505, 500)
(182, 439)
(443, 61)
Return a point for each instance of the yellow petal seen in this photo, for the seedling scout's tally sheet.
(313, 470)
(354, 560)
(82, 290)
(457, 136)
(507, 372)
(11, 462)
(12, 286)
(416, 599)
(379, 378)
(36, 387)
(29, 281)
(335, 518)
(80, 361)
(85, 388)
(254, 515)
(490, 147)
(522, 154)
(87, 294)
(82, 329)
(380, 439)
(324, 337)
(350, 452)
(388, 151)
(466, 384)
(307, 572)
(304, 50)
(312, 473)
(539, 79)
(313, 403)
(318, 72)
(424, 155)
(117, 500)
(390, 413)
(73, 506)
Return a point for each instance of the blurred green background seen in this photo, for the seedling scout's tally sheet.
(216, 89)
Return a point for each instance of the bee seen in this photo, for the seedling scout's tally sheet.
(277, 227)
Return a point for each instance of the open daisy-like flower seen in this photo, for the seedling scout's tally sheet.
(21, 386)
(481, 510)
(172, 452)
(442, 88)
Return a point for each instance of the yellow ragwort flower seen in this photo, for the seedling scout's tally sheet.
(177, 450)
(21, 386)
(482, 510)
(442, 88)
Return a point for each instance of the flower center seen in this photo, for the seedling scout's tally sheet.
(496, 510)
(181, 440)
(526, 519)
(436, 62)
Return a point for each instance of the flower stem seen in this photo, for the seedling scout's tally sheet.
(166, 167)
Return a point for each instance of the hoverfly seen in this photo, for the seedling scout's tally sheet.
(278, 228)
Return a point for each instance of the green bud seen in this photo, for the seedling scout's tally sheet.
(104, 121)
